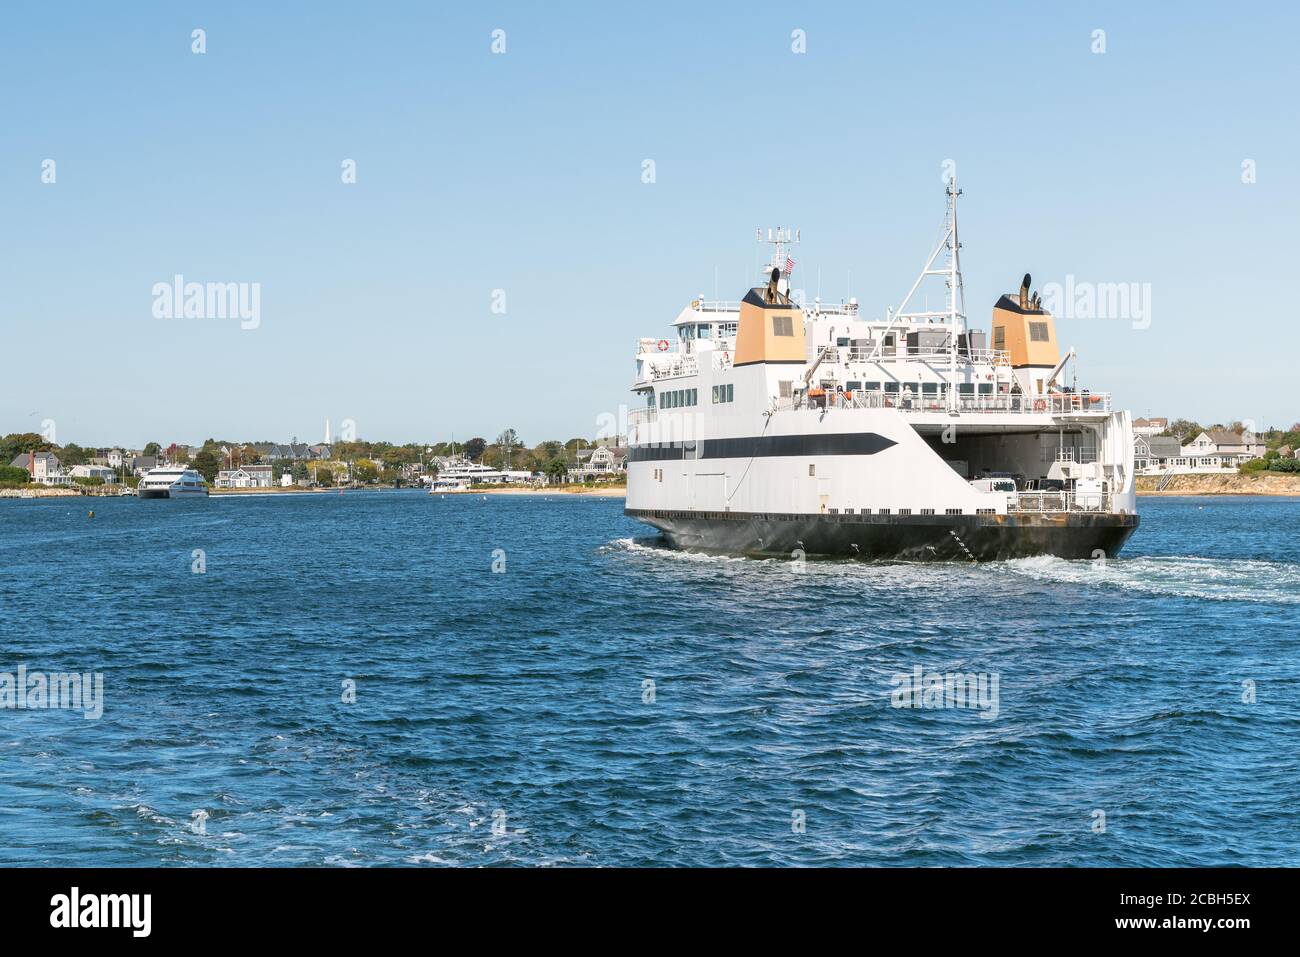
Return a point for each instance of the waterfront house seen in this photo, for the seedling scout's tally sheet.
(231, 478)
(108, 458)
(92, 472)
(143, 463)
(1164, 453)
(247, 476)
(1232, 448)
(42, 467)
(1155, 452)
(601, 462)
(259, 476)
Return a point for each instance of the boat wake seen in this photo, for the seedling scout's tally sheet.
(1214, 579)
(653, 547)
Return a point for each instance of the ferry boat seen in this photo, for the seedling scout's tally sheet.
(172, 482)
(771, 427)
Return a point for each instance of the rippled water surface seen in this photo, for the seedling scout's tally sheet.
(507, 717)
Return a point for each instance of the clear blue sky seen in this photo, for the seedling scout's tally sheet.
(522, 172)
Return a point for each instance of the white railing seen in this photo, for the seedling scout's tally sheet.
(908, 400)
(716, 305)
(1081, 454)
(674, 365)
(831, 309)
(936, 355)
(1045, 501)
(643, 416)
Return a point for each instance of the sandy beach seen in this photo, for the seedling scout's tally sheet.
(608, 491)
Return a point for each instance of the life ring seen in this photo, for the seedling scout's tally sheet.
(663, 345)
(1040, 405)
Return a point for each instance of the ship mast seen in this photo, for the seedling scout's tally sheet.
(954, 315)
(779, 238)
(956, 292)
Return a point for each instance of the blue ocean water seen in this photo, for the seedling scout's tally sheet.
(504, 717)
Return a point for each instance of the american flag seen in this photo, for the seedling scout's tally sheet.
(789, 265)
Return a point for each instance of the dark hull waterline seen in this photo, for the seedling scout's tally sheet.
(895, 537)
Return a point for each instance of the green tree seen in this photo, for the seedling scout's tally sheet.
(1184, 430)
(508, 442)
(208, 464)
(152, 448)
(474, 447)
(16, 443)
(73, 454)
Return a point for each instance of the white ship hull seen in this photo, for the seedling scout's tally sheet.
(172, 493)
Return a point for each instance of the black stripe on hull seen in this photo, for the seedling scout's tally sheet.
(765, 446)
(895, 537)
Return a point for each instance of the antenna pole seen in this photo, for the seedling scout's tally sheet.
(954, 284)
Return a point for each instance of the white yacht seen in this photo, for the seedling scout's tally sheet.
(172, 481)
(773, 427)
(459, 473)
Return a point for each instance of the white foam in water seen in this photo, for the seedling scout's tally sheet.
(1185, 576)
(662, 551)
